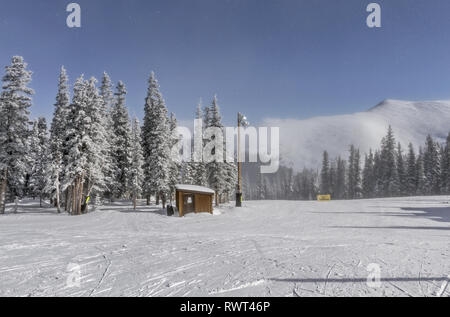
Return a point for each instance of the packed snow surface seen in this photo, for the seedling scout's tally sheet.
(266, 248)
(302, 142)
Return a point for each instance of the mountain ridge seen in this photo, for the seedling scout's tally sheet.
(302, 142)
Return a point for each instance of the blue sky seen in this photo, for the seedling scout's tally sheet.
(266, 58)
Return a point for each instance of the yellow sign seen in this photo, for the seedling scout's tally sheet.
(87, 199)
(323, 197)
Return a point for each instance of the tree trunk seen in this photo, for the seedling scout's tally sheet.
(66, 200)
(58, 207)
(80, 195)
(148, 200)
(3, 191)
(16, 204)
(217, 199)
(87, 194)
(163, 201)
(134, 200)
(157, 199)
(74, 197)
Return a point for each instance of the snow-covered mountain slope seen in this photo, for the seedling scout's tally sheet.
(265, 248)
(302, 142)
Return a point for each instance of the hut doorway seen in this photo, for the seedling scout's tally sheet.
(188, 203)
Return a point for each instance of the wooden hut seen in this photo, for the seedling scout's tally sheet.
(192, 198)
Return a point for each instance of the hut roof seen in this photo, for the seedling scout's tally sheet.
(194, 189)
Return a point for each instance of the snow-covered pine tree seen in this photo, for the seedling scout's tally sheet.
(420, 170)
(368, 179)
(107, 97)
(216, 169)
(188, 173)
(40, 159)
(231, 176)
(339, 189)
(354, 174)
(15, 100)
(431, 165)
(262, 187)
(155, 137)
(401, 171)
(411, 171)
(175, 165)
(333, 177)
(84, 146)
(199, 168)
(96, 149)
(106, 92)
(445, 168)
(136, 175)
(388, 167)
(121, 144)
(57, 133)
(75, 160)
(325, 176)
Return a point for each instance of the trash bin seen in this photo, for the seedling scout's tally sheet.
(170, 211)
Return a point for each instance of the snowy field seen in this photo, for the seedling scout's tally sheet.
(269, 248)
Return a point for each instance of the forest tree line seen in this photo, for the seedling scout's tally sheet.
(92, 151)
(389, 171)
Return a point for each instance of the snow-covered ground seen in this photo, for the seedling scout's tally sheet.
(267, 248)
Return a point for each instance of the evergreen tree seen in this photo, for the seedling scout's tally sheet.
(76, 138)
(40, 159)
(106, 92)
(262, 187)
(121, 144)
(446, 167)
(15, 100)
(431, 165)
(155, 138)
(420, 170)
(401, 171)
(175, 165)
(85, 146)
(57, 139)
(368, 181)
(95, 142)
(216, 168)
(333, 177)
(411, 174)
(340, 184)
(325, 176)
(388, 168)
(136, 174)
(108, 102)
(199, 168)
(354, 174)
(188, 173)
(443, 155)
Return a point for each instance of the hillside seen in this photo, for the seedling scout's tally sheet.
(303, 141)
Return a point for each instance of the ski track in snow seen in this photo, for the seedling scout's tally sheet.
(266, 248)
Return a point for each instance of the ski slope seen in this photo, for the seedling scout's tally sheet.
(303, 141)
(267, 248)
